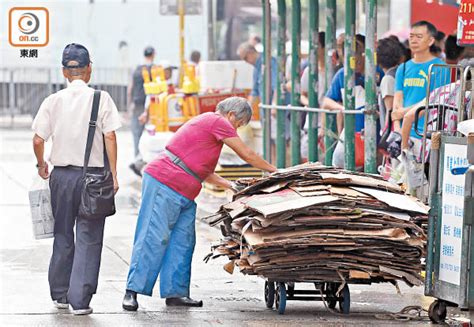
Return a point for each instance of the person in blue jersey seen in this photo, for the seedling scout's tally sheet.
(411, 80)
(411, 83)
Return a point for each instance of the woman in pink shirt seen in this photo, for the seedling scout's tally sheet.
(165, 232)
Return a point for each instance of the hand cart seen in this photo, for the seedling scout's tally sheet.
(450, 261)
(279, 292)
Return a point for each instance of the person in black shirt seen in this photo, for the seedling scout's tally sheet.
(136, 100)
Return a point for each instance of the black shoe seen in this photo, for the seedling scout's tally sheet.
(129, 302)
(135, 169)
(182, 302)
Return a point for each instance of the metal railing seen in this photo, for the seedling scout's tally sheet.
(309, 109)
(23, 89)
(370, 119)
(445, 102)
(312, 144)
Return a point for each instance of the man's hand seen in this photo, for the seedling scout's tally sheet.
(43, 171)
(273, 113)
(143, 118)
(116, 185)
(398, 114)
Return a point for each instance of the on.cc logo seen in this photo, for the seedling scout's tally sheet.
(28, 26)
(28, 23)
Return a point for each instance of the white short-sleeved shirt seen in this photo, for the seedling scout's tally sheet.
(387, 86)
(305, 82)
(64, 117)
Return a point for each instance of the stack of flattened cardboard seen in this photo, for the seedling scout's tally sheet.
(315, 223)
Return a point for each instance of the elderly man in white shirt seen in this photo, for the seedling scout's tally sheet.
(64, 118)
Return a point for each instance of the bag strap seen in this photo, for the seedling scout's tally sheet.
(180, 163)
(393, 72)
(404, 70)
(91, 132)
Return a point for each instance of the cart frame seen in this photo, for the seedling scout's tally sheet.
(451, 281)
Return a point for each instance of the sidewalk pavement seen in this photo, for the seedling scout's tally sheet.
(229, 300)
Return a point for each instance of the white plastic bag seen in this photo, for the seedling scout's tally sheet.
(41, 211)
(152, 145)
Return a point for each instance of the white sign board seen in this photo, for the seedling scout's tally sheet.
(452, 213)
(171, 7)
(225, 75)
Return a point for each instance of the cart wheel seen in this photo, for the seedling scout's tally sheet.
(331, 293)
(437, 311)
(280, 298)
(269, 294)
(345, 301)
(290, 291)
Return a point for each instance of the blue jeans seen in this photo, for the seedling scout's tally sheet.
(164, 241)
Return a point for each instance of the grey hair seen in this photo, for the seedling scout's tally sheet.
(77, 71)
(467, 62)
(237, 105)
(245, 48)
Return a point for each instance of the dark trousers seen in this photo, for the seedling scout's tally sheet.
(136, 127)
(74, 266)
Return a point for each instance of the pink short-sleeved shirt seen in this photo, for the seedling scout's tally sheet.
(198, 143)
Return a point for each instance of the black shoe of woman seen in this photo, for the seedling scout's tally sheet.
(129, 302)
(182, 302)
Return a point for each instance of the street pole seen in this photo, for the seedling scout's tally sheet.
(370, 129)
(181, 41)
(330, 41)
(281, 86)
(295, 81)
(313, 80)
(349, 85)
(267, 84)
(211, 46)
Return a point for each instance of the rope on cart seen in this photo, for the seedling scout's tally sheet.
(411, 312)
(338, 293)
(408, 313)
(326, 305)
(342, 284)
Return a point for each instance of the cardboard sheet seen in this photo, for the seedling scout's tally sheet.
(399, 201)
(315, 223)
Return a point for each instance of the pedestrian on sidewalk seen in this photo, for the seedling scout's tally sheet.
(411, 84)
(64, 117)
(136, 106)
(165, 233)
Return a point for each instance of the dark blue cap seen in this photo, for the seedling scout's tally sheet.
(77, 53)
(149, 51)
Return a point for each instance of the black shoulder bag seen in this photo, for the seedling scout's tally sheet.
(97, 194)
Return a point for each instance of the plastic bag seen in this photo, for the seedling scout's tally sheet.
(41, 211)
(416, 180)
(151, 146)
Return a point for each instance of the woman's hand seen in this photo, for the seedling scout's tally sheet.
(247, 154)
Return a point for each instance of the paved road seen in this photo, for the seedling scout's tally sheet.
(229, 300)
